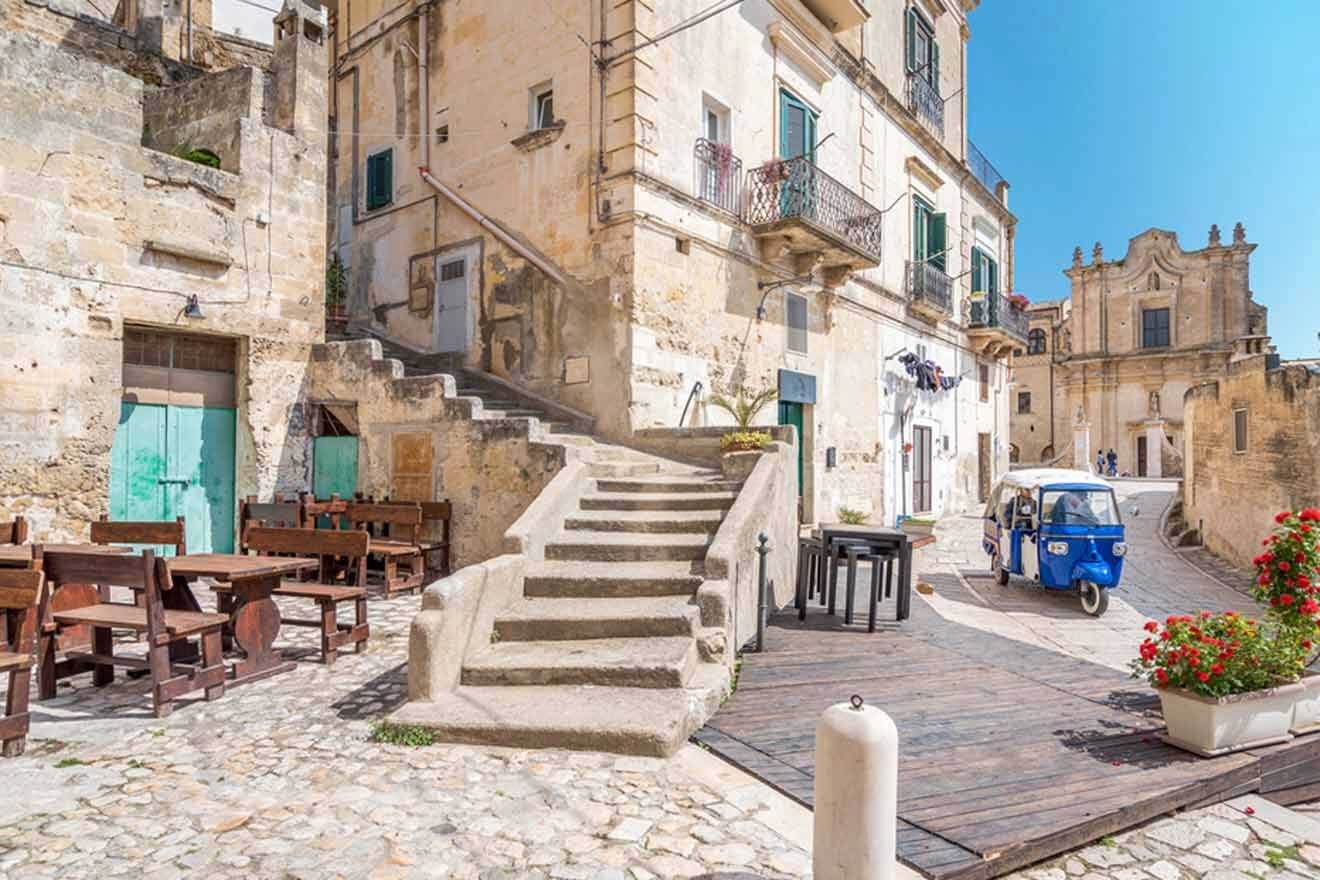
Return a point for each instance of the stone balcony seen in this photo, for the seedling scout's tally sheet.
(930, 292)
(995, 326)
(798, 211)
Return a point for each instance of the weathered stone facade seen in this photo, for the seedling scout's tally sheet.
(101, 234)
(589, 255)
(1253, 449)
(1122, 350)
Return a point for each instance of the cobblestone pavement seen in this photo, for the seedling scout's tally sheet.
(1249, 838)
(1156, 582)
(279, 779)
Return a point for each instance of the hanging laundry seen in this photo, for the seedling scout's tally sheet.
(929, 375)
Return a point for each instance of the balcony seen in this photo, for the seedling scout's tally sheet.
(719, 175)
(838, 15)
(930, 292)
(925, 103)
(995, 326)
(796, 209)
(990, 178)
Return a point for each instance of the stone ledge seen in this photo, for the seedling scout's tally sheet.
(540, 137)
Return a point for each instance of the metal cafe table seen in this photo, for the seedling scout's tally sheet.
(836, 538)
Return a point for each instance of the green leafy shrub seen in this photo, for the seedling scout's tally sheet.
(744, 441)
(744, 406)
(409, 735)
(200, 155)
(851, 517)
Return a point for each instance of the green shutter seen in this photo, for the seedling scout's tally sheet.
(978, 273)
(934, 65)
(938, 236)
(918, 230)
(380, 179)
(993, 276)
(910, 26)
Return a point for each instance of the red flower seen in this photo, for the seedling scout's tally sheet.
(1250, 811)
(1206, 615)
(1281, 516)
(1161, 676)
(1204, 676)
(1264, 579)
(1306, 644)
(1217, 669)
(1151, 626)
(1286, 599)
(1284, 566)
(1148, 650)
(1310, 606)
(1194, 662)
(1166, 635)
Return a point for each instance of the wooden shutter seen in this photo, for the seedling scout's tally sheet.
(910, 30)
(380, 179)
(934, 76)
(992, 277)
(938, 237)
(978, 271)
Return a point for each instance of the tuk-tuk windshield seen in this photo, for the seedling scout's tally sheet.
(1079, 507)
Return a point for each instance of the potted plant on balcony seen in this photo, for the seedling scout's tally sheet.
(336, 290)
(1288, 583)
(1225, 682)
(774, 170)
(1018, 301)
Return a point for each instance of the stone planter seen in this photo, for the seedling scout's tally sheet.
(1209, 727)
(1306, 711)
(738, 465)
(916, 529)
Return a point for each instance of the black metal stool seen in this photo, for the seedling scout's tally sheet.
(811, 557)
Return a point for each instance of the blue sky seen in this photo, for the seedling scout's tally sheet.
(1108, 117)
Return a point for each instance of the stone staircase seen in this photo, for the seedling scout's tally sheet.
(618, 640)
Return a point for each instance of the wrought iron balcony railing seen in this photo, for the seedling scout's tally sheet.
(788, 189)
(719, 175)
(981, 167)
(929, 287)
(924, 100)
(995, 310)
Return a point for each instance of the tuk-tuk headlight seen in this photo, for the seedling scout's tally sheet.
(1120, 548)
(1058, 548)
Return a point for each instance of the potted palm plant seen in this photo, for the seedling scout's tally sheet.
(743, 446)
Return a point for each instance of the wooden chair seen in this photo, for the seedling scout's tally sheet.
(14, 532)
(333, 508)
(436, 512)
(400, 523)
(161, 627)
(104, 531)
(280, 514)
(331, 547)
(20, 591)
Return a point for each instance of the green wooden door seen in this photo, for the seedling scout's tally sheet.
(791, 414)
(334, 469)
(169, 461)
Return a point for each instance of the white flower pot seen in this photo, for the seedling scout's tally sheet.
(1306, 711)
(1210, 727)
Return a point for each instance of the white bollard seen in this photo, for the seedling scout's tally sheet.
(856, 794)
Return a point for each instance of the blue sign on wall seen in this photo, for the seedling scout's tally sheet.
(796, 387)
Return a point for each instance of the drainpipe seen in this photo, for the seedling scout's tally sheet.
(490, 226)
(424, 90)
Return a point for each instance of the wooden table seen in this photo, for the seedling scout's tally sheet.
(834, 535)
(255, 619)
(19, 555)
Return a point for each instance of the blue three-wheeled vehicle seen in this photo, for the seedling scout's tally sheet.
(1059, 528)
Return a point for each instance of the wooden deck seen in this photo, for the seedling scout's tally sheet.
(1008, 754)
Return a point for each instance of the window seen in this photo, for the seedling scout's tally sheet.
(714, 121)
(1239, 430)
(380, 179)
(923, 54)
(1036, 341)
(1024, 402)
(985, 272)
(795, 318)
(929, 232)
(1155, 328)
(542, 107)
(985, 382)
(797, 128)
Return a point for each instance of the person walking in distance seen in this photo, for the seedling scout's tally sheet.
(1113, 463)
(1099, 462)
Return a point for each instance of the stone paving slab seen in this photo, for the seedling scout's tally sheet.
(280, 779)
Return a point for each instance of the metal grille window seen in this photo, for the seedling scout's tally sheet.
(1154, 328)
(380, 179)
(180, 351)
(1036, 341)
(452, 270)
(795, 311)
(1239, 430)
(1024, 401)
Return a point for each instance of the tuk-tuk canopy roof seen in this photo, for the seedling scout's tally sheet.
(1045, 478)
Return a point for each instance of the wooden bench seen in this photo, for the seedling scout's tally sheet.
(278, 514)
(436, 512)
(331, 547)
(160, 626)
(393, 528)
(333, 508)
(20, 591)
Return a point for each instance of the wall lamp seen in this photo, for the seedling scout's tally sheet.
(193, 309)
(768, 286)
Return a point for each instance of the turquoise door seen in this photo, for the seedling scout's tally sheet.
(334, 469)
(791, 414)
(169, 461)
(797, 137)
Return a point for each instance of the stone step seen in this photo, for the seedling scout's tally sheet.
(621, 468)
(570, 619)
(663, 662)
(628, 721)
(653, 521)
(668, 483)
(517, 413)
(627, 546)
(610, 580)
(658, 500)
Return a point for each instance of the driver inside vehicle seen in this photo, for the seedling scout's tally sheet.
(1072, 507)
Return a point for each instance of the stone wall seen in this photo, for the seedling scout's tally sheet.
(490, 469)
(205, 113)
(97, 231)
(1231, 497)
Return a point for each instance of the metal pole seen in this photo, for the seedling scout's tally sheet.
(762, 609)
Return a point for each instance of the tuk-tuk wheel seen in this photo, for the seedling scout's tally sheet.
(1001, 573)
(1095, 600)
